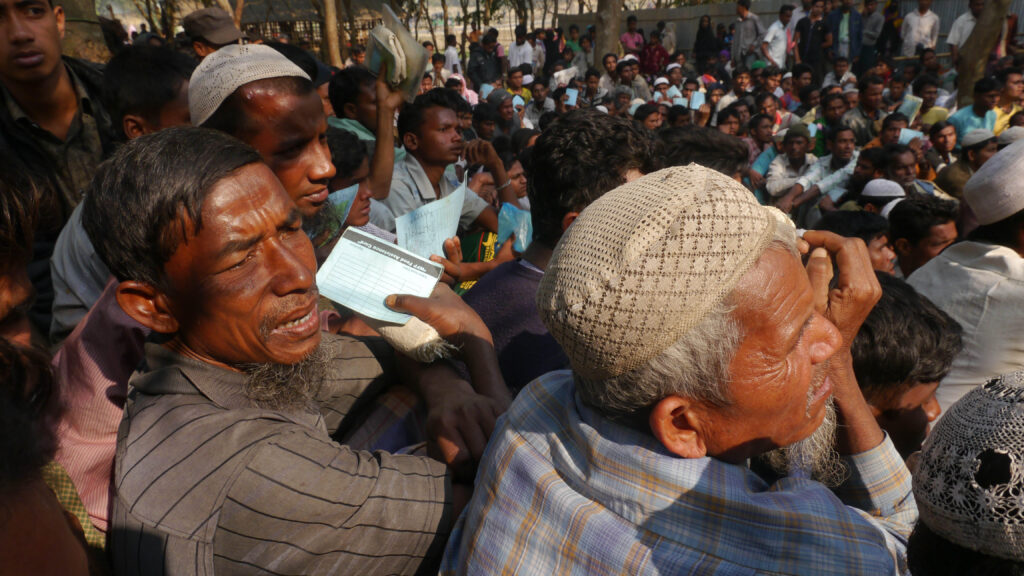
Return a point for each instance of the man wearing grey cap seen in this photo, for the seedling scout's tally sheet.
(980, 281)
(697, 342)
(210, 29)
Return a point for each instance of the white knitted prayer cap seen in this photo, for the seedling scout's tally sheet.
(996, 191)
(643, 265)
(224, 71)
(969, 480)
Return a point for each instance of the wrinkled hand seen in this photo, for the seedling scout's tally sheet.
(857, 289)
(453, 319)
(458, 427)
(453, 263)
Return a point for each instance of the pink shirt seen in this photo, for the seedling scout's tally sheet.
(632, 41)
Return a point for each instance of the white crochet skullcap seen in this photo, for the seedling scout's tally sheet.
(672, 67)
(224, 71)
(969, 481)
(1011, 135)
(660, 80)
(644, 264)
(996, 191)
(882, 188)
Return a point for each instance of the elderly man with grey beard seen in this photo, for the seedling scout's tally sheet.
(699, 343)
(227, 459)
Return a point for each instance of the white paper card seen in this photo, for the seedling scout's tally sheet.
(424, 230)
(363, 270)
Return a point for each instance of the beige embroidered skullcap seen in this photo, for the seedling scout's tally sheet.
(969, 479)
(224, 71)
(644, 264)
(996, 191)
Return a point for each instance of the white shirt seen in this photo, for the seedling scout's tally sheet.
(781, 175)
(982, 287)
(451, 60)
(961, 29)
(918, 29)
(518, 55)
(775, 37)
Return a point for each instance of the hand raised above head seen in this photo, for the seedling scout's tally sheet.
(856, 290)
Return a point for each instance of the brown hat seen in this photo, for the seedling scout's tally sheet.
(213, 25)
(644, 264)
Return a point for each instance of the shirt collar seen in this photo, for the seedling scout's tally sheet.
(422, 182)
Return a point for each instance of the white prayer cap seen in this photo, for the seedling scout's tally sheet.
(1010, 135)
(882, 188)
(629, 57)
(787, 75)
(996, 191)
(527, 79)
(224, 71)
(602, 108)
(887, 209)
(661, 80)
(672, 66)
(975, 137)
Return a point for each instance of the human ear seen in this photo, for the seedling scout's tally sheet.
(902, 246)
(568, 219)
(349, 110)
(133, 126)
(147, 305)
(676, 423)
(58, 13)
(410, 141)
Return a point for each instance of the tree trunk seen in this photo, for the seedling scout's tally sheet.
(444, 14)
(974, 54)
(425, 13)
(239, 6)
(83, 37)
(331, 32)
(607, 21)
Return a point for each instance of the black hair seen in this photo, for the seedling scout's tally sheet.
(19, 213)
(345, 86)
(538, 80)
(931, 554)
(986, 84)
(631, 18)
(682, 145)
(893, 151)
(520, 139)
(905, 340)
(546, 119)
(786, 8)
(675, 112)
(411, 118)
(806, 91)
(230, 116)
(1005, 73)
(347, 151)
(591, 73)
(622, 65)
(854, 224)
(486, 112)
(28, 406)
(297, 56)
(893, 118)
(1005, 232)
(691, 81)
(729, 112)
(938, 127)
(914, 217)
(437, 57)
(762, 97)
(923, 81)
(143, 201)
(450, 39)
(451, 84)
(869, 80)
(142, 80)
(643, 111)
(875, 156)
(744, 3)
(802, 68)
(582, 155)
(833, 132)
(771, 70)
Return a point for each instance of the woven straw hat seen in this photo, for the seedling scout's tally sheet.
(224, 71)
(645, 263)
(970, 474)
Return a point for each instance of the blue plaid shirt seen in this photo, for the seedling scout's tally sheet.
(562, 490)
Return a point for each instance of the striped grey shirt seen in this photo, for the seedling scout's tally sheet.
(206, 483)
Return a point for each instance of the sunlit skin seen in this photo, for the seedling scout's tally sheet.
(30, 41)
(883, 258)
(290, 133)
(908, 417)
(913, 256)
(359, 214)
(233, 287)
(778, 383)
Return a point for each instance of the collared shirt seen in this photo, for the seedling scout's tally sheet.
(961, 29)
(411, 188)
(918, 30)
(451, 60)
(873, 28)
(519, 55)
(830, 181)
(208, 483)
(778, 43)
(533, 111)
(747, 37)
(864, 127)
(562, 490)
(965, 120)
(78, 274)
(632, 41)
(74, 159)
(1003, 117)
(981, 286)
(782, 176)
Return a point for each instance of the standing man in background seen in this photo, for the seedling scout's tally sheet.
(920, 28)
(749, 30)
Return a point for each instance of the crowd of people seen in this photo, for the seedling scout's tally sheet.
(756, 274)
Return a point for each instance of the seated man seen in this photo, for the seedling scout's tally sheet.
(429, 130)
(976, 148)
(695, 345)
(901, 166)
(580, 157)
(880, 196)
(794, 162)
(825, 183)
(921, 228)
(972, 456)
(980, 281)
(981, 114)
(146, 90)
(900, 354)
(225, 457)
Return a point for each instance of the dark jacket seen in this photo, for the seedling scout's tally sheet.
(856, 32)
(483, 67)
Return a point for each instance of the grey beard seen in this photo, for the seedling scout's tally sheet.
(285, 387)
(815, 455)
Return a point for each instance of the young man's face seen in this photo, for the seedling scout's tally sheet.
(834, 110)
(988, 100)
(768, 107)
(871, 99)
(688, 89)
(976, 6)
(593, 83)
(841, 68)
(290, 133)
(929, 94)
(675, 76)
(913, 256)
(16, 295)
(772, 82)
(609, 64)
(883, 258)
(741, 81)
(903, 169)
(817, 9)
(907, 418)
(1014, 87)
(30, 40)
(438, 142)
(785, 17)
(515, 80)
(852, 99)
(485, 129)
(631, 25)
(427, 84)
(763, 131)
(945, 140)
(896, 88)
(891, 133)
(844, 145)
(653, 121)
(977, 158)
(730, 126)
(795, 148)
